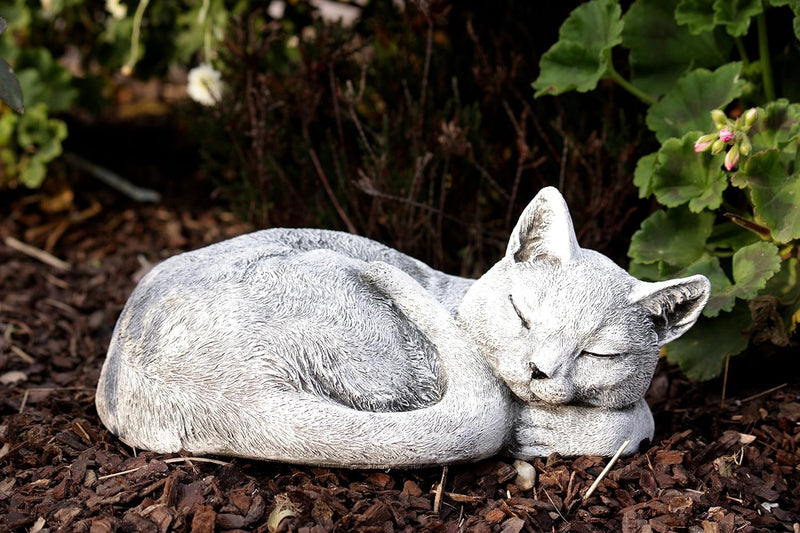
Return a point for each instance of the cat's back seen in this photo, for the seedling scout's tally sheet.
(258, 255)
(278, 308)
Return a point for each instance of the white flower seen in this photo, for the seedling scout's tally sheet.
(276, 9)
(204, 84)
(48, 9)
(116, 10)
(333, 11)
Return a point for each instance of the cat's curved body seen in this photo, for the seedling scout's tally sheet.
(312, 346)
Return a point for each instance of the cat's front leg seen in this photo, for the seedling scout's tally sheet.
(569, 430)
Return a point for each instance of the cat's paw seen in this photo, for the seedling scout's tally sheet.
(535, 441)
(390, 280)
(571, 430)
(403, 290)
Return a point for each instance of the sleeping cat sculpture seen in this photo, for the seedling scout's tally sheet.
(320, 347)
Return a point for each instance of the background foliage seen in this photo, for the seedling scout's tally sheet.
(411, 125)
(415, 124)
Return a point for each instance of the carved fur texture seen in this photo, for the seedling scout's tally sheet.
(319, 347)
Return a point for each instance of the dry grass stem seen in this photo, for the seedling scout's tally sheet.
(19, 352)
(725, 382)
(606, 470)
(172, 460)
(36, 253)
(554, 505)
(764, 393)
(437, 499)
(325, 183)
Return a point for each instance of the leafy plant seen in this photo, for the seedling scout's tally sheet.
(103, 38)
(730, 186)
(10, 90)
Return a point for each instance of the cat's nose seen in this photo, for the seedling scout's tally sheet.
(536, 373)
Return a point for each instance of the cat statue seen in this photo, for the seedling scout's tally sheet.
(325, 348)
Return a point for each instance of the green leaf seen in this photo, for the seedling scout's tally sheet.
(701, 352)
(735, 15)
(580, 58)
(36, 142)
(686, 106)
(785, 284)
(661, 50)
(675, 236)
(795, 5)
(709, 266)
(646, 272)
(698, 15)
(45, 81)
(10, 91)
(728, 237)
(753, 266)
(681, 175)
(779, 122)
(643, 175)
(774, 192)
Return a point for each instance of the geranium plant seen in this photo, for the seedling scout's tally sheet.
(727, 175)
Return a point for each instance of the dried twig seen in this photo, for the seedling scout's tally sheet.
(169, 461)
(36, 253)
(606, 469)
(314, 159)
(366, 186)
(764, 393)
(24, 400)
(725, 382)
(554, 504)
(437, 499)
(83, 432)
(22, 354)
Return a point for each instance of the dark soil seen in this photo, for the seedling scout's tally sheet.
(712, 468)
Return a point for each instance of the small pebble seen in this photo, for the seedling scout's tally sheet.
(526, 475)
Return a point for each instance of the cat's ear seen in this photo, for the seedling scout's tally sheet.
(544, 230)
(674, 305)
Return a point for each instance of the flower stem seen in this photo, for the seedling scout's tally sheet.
(763, 53)
(127, 69)
(203, 19)
(742, 52)
(628, 86)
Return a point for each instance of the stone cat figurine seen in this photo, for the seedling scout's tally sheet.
(325, 348)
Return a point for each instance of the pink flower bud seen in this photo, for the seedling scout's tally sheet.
(726, 135)
(732, 158)
(719, 118)
(745, 147)
(704, 143)
(750, 117)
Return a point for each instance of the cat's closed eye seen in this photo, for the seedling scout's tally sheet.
(525, 323)
(595, 354)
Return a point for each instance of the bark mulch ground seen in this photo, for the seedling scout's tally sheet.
(712, 468)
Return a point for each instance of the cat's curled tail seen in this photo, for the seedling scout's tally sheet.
(470, 421)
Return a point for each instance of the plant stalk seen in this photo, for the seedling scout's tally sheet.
(628, 86)
(127, 69)
(763, 53)
(742, 51)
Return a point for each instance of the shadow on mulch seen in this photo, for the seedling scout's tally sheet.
(712, 468)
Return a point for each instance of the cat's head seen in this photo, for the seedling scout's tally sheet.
(562, 324)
